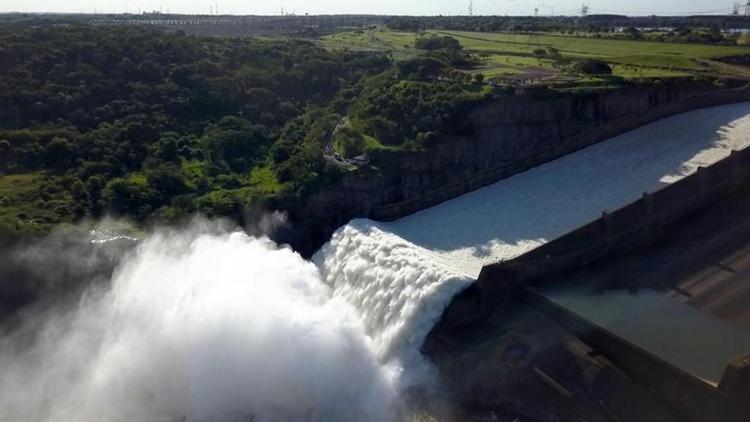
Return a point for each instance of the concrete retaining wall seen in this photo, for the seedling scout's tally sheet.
(621, 230)
(694, 399)
(501, 138)
(452, 190)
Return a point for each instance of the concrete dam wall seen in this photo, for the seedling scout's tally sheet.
(508, 136)
(531, 154)
(620, 229)
(634, 226)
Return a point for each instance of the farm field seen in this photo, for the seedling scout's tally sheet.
(588, 47)
(549, 58)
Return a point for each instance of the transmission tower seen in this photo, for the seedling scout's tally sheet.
(536, 12)
(585, 9)
(747, 8)
(736, 8)
(471, 7)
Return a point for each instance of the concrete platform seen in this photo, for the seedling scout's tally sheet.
(681, 335)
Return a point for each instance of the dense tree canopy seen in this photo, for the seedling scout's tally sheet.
(152, 124)
(136, 121)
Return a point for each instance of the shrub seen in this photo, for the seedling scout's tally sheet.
(594, 67)
(423, 67)
(437, 43)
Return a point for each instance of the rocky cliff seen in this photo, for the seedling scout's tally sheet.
(507, 136)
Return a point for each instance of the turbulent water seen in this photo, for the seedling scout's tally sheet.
(511, 217)
(206, 326)
(399, 290)
(209, 324)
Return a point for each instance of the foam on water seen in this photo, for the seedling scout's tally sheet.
(208, 325)
(511, 217)
(400, 290)
(401, 275)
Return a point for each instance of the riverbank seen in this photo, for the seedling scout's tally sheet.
(509, 136)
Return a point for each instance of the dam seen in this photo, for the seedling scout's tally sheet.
(401, 275)
(607, 285)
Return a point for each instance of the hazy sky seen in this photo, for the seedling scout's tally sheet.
(415, 7)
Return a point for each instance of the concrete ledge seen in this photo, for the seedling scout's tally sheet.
(735, 384)
(390, 212)
(620, 229)
(727, 396)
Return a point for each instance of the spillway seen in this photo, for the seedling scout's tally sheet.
(401, 275)
(203, 324)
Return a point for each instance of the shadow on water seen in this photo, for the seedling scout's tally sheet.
(550, 200)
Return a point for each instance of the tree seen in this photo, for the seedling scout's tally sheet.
(166, 149)
(132, 196)
(594, 67)
(78, 190)
(6, 154)
(149, 71)
(234, 142)
(59, 153)
(437, 43)
(167, 181)
(632, 33)
(80, 197)
(422, 67)
(94, 186)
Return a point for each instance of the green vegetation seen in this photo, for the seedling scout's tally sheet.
(593, 67)
(589, 47)
(706, 29)
(156, 125)
(23, 196)
(97, 120)
(509, 57)
(119, 120)
(412, 114)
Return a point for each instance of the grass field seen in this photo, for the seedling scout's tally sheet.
(590, 47)
(400, 44)
(506, 55)
(22, 208)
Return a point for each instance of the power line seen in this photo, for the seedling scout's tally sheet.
(651, 12)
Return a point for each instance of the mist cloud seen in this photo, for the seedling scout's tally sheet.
(199, 325)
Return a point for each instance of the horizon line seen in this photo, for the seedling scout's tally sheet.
(156, 12)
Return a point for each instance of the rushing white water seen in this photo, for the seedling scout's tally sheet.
(207, 325)
(399, 290)
(513, 216)
(402, 275)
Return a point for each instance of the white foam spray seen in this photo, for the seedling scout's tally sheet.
(401, 275)
(399, 289)
(207, 326)
(201, 327)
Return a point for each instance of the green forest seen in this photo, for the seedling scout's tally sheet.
(154, 125)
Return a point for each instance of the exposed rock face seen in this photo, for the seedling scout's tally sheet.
(506, 137)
